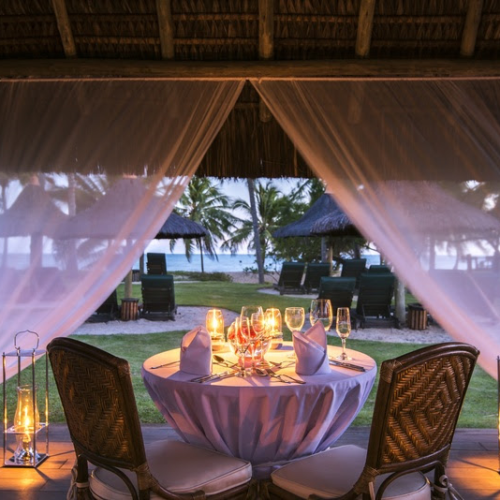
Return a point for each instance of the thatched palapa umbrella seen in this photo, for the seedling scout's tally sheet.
(177, 226)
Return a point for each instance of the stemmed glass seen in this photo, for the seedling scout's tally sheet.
(255, 317)
(321, 310)
(295, 318)
(343, 329)
(242, 342)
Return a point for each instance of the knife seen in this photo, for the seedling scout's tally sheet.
(349, 366)
(214, 376)
(164, 364)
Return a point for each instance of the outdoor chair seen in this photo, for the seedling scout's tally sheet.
(375, 295)
(314, 273)
(339, 291)
(378, 268)
(156, 263)
(97, 396)
(109, 310)
(353, 268)
(418, 402)
(158, 297)
(290, 279)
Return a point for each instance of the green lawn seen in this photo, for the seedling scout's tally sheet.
(480, 407)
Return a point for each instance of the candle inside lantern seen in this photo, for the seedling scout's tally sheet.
(26, 422)
(215, 327)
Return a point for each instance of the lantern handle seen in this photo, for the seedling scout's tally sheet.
(26, 331)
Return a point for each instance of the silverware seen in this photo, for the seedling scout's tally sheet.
(219, 360)
(164, 364)
(214, 376)
(282, 377)
(349, 366)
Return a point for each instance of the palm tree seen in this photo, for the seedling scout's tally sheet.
(205, 203)
(269, 203)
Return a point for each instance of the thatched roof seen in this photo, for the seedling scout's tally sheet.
(249, 38)
(324, 206)
(180, 227)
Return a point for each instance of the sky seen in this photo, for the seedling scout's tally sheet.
(233, 189)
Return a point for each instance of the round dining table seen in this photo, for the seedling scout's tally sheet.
(259, 418)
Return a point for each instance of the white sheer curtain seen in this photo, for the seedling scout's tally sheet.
(416, 166)
(89, 171)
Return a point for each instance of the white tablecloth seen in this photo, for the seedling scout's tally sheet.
(260, 419)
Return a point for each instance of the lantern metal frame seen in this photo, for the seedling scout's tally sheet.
(9, 429)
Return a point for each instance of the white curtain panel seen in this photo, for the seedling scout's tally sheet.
(416, 166)
(89, 171)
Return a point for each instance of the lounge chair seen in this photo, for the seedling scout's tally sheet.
(314, 273)
(290, 279)
(109, 310)
(418, 402)
(340, 291)
(378, 268)
(353, 268)
(98, 399)
(156, 263)
(376, 292)
(158, 298)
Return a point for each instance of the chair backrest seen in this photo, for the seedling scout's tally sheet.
(314, 273)
(156, 263)
(417, 406)
(99, 404)
(109, 306)
(339, 290)
(291, 274)
(158, 293)
(379, 268)
(375, 294)
(352, 268)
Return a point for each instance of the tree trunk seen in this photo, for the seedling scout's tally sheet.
(400, 302)
(201, 256)
(256, 235)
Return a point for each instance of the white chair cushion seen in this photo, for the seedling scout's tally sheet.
(180, 468)
(333, 472)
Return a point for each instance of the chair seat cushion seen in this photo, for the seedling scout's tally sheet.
(180, 468)
(333, 472)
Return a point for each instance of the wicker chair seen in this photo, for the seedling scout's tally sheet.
(101, 413)
(418, 402)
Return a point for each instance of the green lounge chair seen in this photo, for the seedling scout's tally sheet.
(378, 268)
(158, 298)
(156, 263)
(290, 279)
(352, 268)
(314, 273)
(375, 296)
(109, 310)
(340, 292)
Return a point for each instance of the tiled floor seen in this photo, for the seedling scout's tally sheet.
(473, 466)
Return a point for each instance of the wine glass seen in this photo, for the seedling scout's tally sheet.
(321, 310)
(295, 318)
(343, 329)
(255, 316)
(242, 342)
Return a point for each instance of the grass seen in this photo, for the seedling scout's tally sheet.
(479, 411)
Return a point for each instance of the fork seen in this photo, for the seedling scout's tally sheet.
(283, 377)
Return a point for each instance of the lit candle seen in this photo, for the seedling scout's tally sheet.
(215, 327)
(274, 327)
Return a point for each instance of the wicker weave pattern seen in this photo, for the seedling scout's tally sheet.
(426, 398)
(92, 405)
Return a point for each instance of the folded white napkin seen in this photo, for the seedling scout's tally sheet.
(311, 351)
(196, 352)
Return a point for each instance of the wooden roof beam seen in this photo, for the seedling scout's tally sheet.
(51, 69)
(365, 27)
(166, 28)
(469, 34)
(64, 27)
